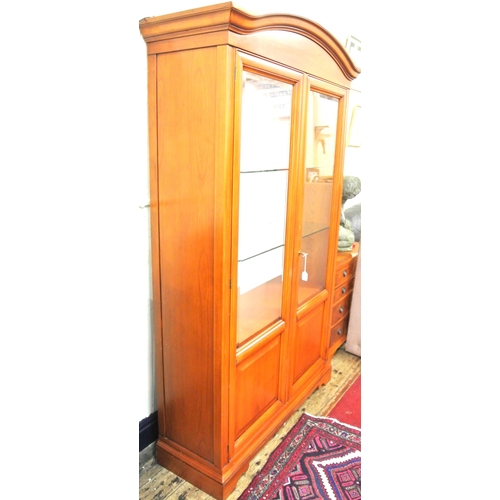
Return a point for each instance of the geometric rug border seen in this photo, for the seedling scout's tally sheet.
(271, 474)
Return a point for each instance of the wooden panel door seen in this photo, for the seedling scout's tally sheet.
(317, 230)
(267, 99)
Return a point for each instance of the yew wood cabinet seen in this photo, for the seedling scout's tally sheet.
(247, 120)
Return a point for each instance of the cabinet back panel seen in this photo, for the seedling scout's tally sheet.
(186, 158)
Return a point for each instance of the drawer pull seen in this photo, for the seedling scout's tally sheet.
(339, 331)
(341, 309)
(343, 289)
(344, 273)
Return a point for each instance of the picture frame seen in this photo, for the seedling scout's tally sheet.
(353, 47)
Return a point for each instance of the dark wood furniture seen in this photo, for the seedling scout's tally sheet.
(342, 297)
(247, 120)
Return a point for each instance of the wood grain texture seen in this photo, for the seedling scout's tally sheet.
(338, 334)
(341, 308)
(342, 297)
(345, 369)
(342, 290)
(186, 209)
(155, 241)
(224, 352)
(226, 17)
(223, 396)
(307, 345)
(257, 384)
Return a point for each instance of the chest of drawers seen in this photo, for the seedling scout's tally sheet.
(342, 296)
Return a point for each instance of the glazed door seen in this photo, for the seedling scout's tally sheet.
(266, 109)
(317, 230)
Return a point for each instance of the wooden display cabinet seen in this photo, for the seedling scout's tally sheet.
(247, 120)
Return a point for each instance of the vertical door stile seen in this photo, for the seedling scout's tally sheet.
(338, 183)
(155, 239)
(238, 75)
(223, 353)
(296, 206)
(338, 176)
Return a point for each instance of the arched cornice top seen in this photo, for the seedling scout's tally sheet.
(225, 16)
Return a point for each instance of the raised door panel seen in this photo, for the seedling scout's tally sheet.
(257, 384)
(308, 342)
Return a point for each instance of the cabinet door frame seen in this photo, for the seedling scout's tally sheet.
(323, 298)
(246, 62)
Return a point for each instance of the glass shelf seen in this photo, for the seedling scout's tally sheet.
(260, 292)
(310, 228)
(260, 254)
(255, 171)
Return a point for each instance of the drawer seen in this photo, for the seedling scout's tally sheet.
(346, 271)
(341, 308)
(343, 290)
(338, 332)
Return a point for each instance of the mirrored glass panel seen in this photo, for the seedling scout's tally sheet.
(264, 161)
(318, 178)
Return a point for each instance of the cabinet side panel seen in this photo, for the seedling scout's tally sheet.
(186, 155)
(155, 245)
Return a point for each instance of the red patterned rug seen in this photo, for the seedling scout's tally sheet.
(320, 458)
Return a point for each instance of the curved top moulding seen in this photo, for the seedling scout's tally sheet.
(226, 17)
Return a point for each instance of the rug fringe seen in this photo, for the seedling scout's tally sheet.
(331, 419)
